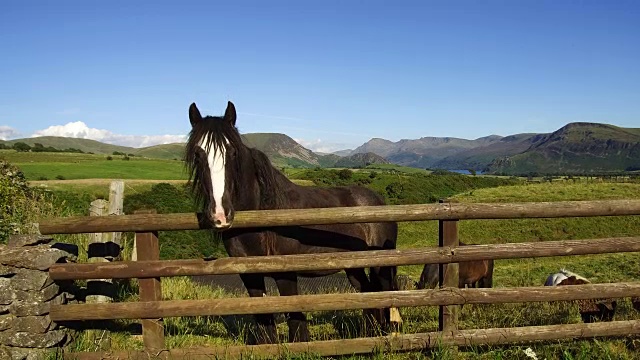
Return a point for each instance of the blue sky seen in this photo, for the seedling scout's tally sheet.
(331, 74)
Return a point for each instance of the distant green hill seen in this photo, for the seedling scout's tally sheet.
(574, 149)
(85, 145)
(360, 160)
(164, 151)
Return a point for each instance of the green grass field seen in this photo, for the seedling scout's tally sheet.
(209, 331)
(50, 166)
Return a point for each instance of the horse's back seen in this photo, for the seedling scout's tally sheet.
(381, 235)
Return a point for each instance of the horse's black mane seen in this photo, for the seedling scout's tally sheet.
(217, 130)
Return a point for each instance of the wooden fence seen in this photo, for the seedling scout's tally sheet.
(151, 309)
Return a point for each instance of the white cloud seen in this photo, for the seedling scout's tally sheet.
(80, 130)
(318, 145)
(7, 132)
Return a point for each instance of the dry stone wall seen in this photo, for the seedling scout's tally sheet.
(26, 294)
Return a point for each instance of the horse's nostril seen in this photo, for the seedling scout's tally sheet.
(218, 222)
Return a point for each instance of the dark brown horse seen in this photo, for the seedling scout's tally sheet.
(227, 176)
(471, 273)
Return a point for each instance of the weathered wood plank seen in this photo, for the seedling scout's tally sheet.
(404, 342)
(344, 215)
(330, 261)
(150, 291)
(325, 302)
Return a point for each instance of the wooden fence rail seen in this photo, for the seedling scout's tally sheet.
(350, 301)
(405, 342)
(343, 215)
(334, 261)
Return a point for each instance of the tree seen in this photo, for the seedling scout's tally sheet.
(21, 147)
(37, 147)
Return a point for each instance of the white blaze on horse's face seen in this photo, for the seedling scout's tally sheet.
(216, 160)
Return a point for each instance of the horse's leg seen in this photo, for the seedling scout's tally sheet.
(359, 280)
(297, 321)
(384, 279)
(487, 279)
(265, 332)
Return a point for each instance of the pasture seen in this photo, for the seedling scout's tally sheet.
(51, 166)
(206, 331)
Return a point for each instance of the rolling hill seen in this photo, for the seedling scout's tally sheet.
(86, 145)
(575, 149)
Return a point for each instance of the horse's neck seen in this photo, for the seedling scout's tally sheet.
(262, 193)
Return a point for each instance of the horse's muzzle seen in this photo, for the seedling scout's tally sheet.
(221, 221)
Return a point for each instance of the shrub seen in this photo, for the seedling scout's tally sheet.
(19, 205)
(109, 157)
(59, 177)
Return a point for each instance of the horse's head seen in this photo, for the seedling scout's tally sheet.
(210, 156)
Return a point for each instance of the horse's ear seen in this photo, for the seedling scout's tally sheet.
(230, 113)
(194, 114)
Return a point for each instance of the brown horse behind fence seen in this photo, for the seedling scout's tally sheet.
(591, 310)
(471, 273)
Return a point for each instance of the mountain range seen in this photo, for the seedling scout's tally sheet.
(575, 148)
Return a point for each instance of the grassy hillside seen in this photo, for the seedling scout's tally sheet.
(165, 151)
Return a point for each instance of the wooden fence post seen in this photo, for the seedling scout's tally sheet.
(448, 275)
(104, 247)
(148, 248)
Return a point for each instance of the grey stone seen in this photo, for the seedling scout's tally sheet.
(37, 258)
(4, 309)
(24, 308)
(26, 279)
(5, 353)
(30, 354)
(28, 240)
(29, 340)
(7, 270)
(6, 293)
(32, 324)
(6, 321)
(43, 295)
